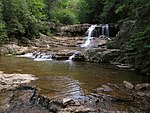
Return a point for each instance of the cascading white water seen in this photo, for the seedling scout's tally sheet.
(105, 30)
(89, 38)
(38, 56)
(28, 55)
(43, 58)
(71, 57)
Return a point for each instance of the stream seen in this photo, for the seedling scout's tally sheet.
(82, 81)
(67, 78)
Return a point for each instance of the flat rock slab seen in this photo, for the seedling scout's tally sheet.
(9, 81)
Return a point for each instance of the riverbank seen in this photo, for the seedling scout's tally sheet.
(74, 87)
(22, 97)
(102, 49)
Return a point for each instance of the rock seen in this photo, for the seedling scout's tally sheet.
(1, 72)
(128, 85)
(82, 109)
(9, 81)
(72, 30)
(67, 101)
(148, 94)
(78, 56)
(9, 49)
(124, 66)
(128, 29)
(104, 88)
(12, 49)
(140, 94)
(101, 55)
(142, 86)
(124, 33)
(146, 71)
(22, 101)
(60, 57)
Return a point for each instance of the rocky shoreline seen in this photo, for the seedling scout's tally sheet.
(23, 97)
(109, 97)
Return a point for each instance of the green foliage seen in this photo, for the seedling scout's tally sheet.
(109, 11)
(89, 11)
(21, 18)
(64, 16)
(139, 41)
(2, 25)
(36, 8)
(121, 8)
(138, 47)
(64, 11)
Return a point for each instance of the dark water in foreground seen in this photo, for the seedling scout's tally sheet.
(64, 78)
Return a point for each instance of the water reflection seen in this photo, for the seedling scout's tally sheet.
(68, 78)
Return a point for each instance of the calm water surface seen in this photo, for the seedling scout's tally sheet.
(64, 78)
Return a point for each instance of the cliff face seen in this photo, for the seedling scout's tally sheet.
(134, 41)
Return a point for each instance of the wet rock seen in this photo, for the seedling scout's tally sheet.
(78, 56)
(128, 85)
(12, 49)
(140, 94)
(124, 66)
(148, 94)
(146, 71)
(104, 88)
(101, 55)
(142, 86)
(124, 33)
(60, 57)
(67, 101)
(83, 109)
(9, 81)
(20, 102)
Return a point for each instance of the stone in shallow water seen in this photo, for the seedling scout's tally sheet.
(67, 101)
(148, 94)
(104, 88)
(128, 85)
(140, 94)
(142, 86)
(9, 81)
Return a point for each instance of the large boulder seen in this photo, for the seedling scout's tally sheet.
(77, 56)
(101, 55)
(124, 34)
(128, 85)
(12, 49)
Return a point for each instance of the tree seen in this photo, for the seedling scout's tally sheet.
(36, 8)
(64, 12)
(2, 24)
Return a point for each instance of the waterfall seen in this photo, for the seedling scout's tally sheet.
(28, 55)
(38, 56)
(105, 30)
(72, 56)
(43, 57)
(89, 37)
